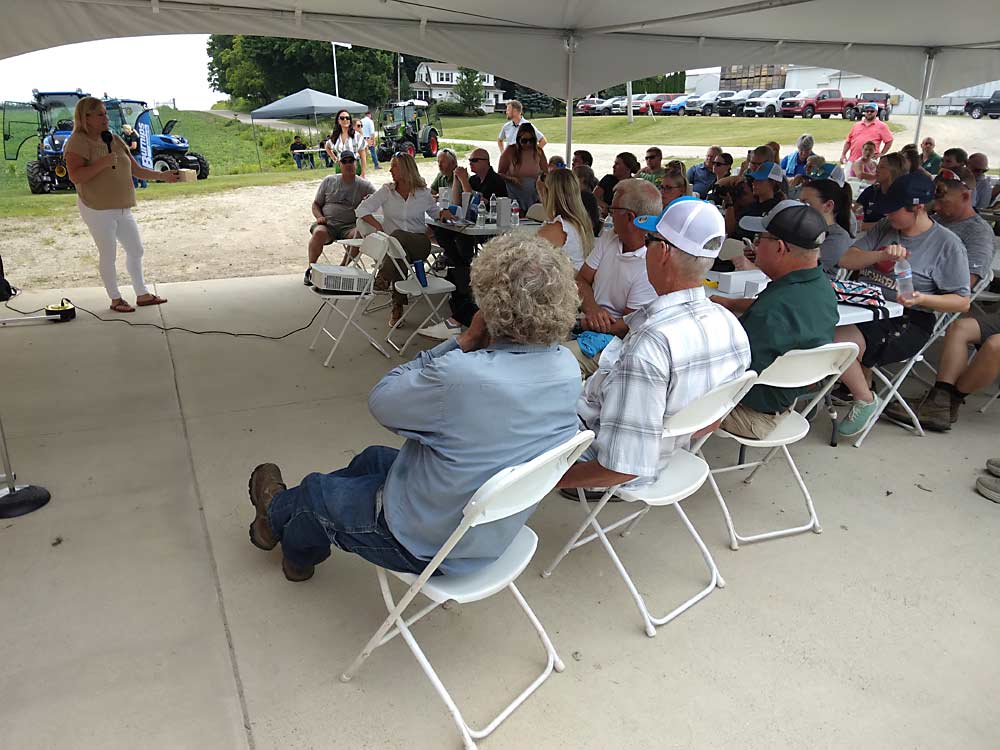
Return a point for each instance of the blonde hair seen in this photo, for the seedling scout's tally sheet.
(516, 105)
(525, 288)
(86, 106)
(411, 175)
(562, 198)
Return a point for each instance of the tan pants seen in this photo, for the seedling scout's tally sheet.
(588, 365)
(748, 423)
(417, 246)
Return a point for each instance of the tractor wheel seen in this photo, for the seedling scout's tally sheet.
(164, 163)
(808, 113)
(409, 148)
(36, 178)
(977, 112)
(431, 149)
(203, 168)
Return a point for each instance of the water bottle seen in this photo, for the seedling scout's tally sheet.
(492, 216)
(515, 213)
(481, 216)
(904, 279)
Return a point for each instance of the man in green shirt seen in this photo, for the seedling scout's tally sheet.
(797, 310)
(929, 159)
(654, 169)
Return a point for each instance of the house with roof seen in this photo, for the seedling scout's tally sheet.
(436, 82)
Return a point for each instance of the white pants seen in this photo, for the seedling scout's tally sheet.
(108, 227)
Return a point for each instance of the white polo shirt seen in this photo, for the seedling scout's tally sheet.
(620, 280)
(508, 133)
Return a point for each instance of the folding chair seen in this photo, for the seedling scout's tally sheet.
(374, 247)
(412, 288)
(683, 477)
(794, 369)
(505, 494)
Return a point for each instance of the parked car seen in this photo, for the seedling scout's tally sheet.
(660, 100)
(607, 106)
(980, 105)
(675, 106)
(693, 105)
(880, 98)
(618, 108)
(640, 103)
(587, 106)
(733, 105)
(768, 103)
(823, 102)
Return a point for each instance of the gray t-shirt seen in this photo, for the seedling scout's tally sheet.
(977, 236)
(833, 248)
(339, 200)
(937, 257)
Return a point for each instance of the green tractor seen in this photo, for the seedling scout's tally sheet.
(410, 127)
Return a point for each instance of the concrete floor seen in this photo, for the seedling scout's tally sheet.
(154, 623)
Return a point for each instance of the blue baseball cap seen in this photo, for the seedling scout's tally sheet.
(689, 224)
(829, 171)
(914, 189)
(869, 105)
(768, 171)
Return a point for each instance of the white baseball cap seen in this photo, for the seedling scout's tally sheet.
(689, 224)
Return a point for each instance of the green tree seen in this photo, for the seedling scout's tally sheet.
(534, 101)
(469, 89)
(668, 84)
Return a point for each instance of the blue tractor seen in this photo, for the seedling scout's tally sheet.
(170, 151)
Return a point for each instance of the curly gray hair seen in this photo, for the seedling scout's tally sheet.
(525, 289)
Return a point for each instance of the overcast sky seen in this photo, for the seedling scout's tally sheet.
(153, 68)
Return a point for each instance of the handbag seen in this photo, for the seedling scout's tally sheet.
(859, 294)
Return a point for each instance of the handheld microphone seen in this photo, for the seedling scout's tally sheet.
(107, 138)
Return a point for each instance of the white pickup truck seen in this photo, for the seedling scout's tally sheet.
(768, 104)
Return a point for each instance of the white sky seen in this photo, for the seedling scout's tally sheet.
(153, 69)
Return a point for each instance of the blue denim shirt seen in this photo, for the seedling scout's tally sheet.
(465, 416)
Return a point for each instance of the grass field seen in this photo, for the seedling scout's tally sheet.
(688, 131)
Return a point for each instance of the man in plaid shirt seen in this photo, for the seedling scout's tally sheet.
(679, 347)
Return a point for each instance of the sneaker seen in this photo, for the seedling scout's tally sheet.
(993, 466)
(989, 487)
(307, 281)
(441, 331)
(858, 417)
(265, 482)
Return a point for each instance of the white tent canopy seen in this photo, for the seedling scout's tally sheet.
(307, 103)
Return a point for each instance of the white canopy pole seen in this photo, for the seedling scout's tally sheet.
(570, 52)
(628, 100)
(924, 90)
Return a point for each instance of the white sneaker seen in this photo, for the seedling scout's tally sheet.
(441, 331)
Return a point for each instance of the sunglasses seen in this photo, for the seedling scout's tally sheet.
(344, 118)
(946, 175)
(347, 161)
(620, 208)
(719, 164)
(526, 141)
(474, 159)
(765, 236)
(980, 170)
(652, 239)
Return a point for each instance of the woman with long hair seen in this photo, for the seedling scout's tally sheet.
(345, 138)
(834, 203)
(624, 167)
(673, 185)
(567, 224)
(101, 167)
(889, 168)
(405, 203)
(520, 166)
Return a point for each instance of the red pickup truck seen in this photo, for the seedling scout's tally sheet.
(822, 102)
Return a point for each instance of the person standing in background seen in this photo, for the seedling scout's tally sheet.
(368, 133)
(131, 139)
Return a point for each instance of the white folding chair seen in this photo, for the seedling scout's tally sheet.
(505, 494)
(374, 247)
(795, 369)
(685, 474)
(436, 286)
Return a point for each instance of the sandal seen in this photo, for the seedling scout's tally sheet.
(149, 299)
(121, 306)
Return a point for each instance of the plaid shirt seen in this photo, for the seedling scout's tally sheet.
(679, 347)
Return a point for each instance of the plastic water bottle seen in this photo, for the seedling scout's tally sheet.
(515, 213)
(481, 216)
(904, 279)
(492, 216)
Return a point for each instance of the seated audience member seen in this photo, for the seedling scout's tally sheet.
(582, 158)
(775, 151)
(767, 193)
(954, 157)
(889, 169)
(722, 166)
(940, 280)
(814, 170)
(588, 182)
(797, 310)
(929, 159)
(979, 166)
(755, 158)
(865, 168)
(405, 204)
(654, 169)
(333, 208)
(447, 161)
(624, 167)
(521, 164)
(795, 163)
(395, 508)
(296, 146)
(833, 202)
(567, 225)
(703, 176)
(673, 185)
(678, 347)
(953, 209)
(556, 162)
(613, 281)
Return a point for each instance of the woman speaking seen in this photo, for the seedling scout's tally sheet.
(101, 167)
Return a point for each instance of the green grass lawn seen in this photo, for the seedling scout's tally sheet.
(689, 131)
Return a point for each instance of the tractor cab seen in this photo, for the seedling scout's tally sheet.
(49, 117)
(410, 127)
(169, 151)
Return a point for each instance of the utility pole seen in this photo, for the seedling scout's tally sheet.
(333, 50)
(399, 84)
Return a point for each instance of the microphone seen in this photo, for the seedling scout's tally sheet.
(107, 138)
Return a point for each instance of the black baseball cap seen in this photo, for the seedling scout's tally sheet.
(348, 155)
(914, 189)
(792, 221)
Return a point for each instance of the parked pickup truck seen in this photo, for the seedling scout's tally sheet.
(980, 106)
(768, 103)
(823, 102)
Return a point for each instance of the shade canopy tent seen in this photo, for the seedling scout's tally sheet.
(570, 48)
(307, 103)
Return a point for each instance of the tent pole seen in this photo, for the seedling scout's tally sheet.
(925, 90)
(628, 100)
(570, 52)
(254, 128)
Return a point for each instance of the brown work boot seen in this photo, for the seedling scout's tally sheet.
(936, 411)
(265, 483)
(896, 411)
(296, 573)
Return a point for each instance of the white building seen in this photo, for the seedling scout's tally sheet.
(701, 80)
(436, 82)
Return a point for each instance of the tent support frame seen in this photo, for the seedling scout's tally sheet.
(931, 53)
(570, 55)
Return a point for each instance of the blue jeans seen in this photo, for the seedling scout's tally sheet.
(339, 509)
(298, 159)
(371, 150)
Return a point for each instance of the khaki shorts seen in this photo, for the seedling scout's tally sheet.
(334, 230)
(749, 423)
(588, 365)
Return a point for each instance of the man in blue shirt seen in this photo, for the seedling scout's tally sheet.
(498, 395)
(701, 177)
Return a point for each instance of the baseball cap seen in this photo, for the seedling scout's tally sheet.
(689, 224)
(830, 172)
(914, 189)
(768, 171)
(869, 105)
(348, 154)
(791, 221)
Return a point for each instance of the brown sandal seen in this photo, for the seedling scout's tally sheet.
(152, 299)
(121, 306)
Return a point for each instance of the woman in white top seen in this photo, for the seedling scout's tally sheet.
(567, 224)
(405, 203)
(345, 138)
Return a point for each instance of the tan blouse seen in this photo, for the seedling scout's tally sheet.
(112, 188)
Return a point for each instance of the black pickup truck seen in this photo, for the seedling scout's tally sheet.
(980, 106)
